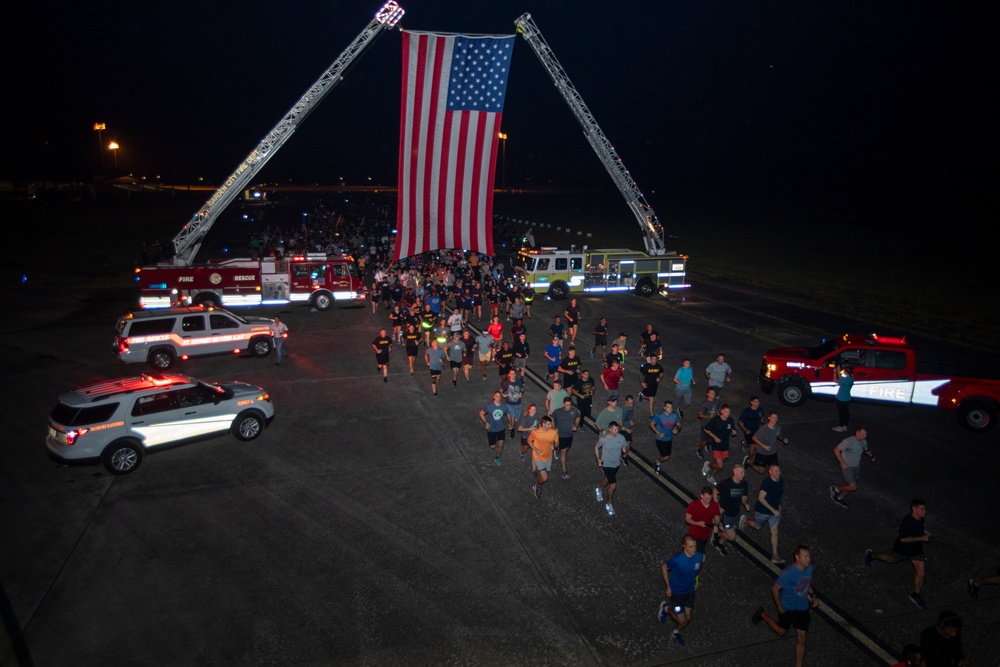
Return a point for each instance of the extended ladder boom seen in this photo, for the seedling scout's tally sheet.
(651, 228)
(188, 241)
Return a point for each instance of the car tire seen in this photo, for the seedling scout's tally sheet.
(977, 416)
(260, 347)
(248, 425)
(793, 394)
(323, 300)
(161, 358)
(645, 288)
(208, 301)
(558, 291)
(122, 457)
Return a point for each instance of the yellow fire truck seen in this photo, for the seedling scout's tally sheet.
(557, 273)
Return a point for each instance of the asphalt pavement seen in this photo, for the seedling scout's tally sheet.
(369, 525)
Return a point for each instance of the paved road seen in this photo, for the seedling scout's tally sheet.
(370, 525)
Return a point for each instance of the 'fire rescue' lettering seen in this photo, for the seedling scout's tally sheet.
(185, 279)
(243, 277)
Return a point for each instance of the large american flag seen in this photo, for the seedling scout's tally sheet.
(453, 92)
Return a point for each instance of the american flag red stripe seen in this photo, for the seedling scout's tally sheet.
(451, 108)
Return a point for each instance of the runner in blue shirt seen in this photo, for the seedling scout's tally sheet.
(793, 596)
(680, 574)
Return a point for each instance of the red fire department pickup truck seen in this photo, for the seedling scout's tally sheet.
(885, 370)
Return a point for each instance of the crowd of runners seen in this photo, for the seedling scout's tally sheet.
(468, 314)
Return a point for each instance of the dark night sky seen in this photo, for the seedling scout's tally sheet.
(698, 97)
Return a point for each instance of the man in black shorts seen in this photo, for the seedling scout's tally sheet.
(567, 421)
(411, 339)
(650, 375)
(382, 346)
(909, 546)
(793, 596)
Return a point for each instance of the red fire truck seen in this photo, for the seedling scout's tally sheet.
(316, 279)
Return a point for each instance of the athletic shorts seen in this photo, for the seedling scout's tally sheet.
(493, 437)
(565, 443)
(545, 465)
(760, 519)
(455, 364)
(485, 357)
(730, 522)
(901, 557)
(611, 474)
(626, 434)
(720, 456)
(514, 411)
(381, 358)
(467, 360)
(681, 601)
(435, 373)
(553, 369)
(798, 619)
(650, 390)
(612, 394)
(764, 459)
(852, 474)
(412, 351)
(665, 447)
(520, 362)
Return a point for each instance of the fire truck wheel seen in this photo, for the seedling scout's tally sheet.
(645, 288)
(323, 300)
(161, 358)
(248, 425)
(792, 394)
(558, 291)
(977, 416)
(260, 347)
(122, 456)
(207, 300)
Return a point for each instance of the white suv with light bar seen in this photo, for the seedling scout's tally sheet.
(119, 421)
(161, 338)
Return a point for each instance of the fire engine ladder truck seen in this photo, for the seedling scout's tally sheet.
(651, 228)
(189, 240)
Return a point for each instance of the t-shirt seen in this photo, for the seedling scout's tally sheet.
(731, 495)
(627, 412)
(570, 366)
(545, 441)
(684, 571)
(495, 416)
(555, 398)
(556, 330)
(683, 377)
(434, 357)
(752, 419)
(651, 373)
(940, 650)
(773, 491)
(611, 449)
(768, 439)
(412, 340)
(456, 349)
(455, 321)
(383, 344)
(709, 407)
(607, 416)
(851, 450)
(909, 527)
(512, 391)
(844, 386)
(611, 356)
(699, 512)
(495, 330)
(665, 423)
(564, 420)
(717, 373)
(552, 352)
(584, 389)
(721, 429)
(795, 585)
(484, 341)
(612, 377)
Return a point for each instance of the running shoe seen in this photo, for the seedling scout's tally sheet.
(657, 468)
(534, 490)
(678, 638)
(757, 615)
(497, 460)
(841, 502)
(917, 600)
(743, 445)
(705, 468)
(662, 615)
(746, 460)
(597, 492)
(701, 453)
(777, 560)
(711, 480)
(718, 545)
(743, 521)
(834, 493)
(867, 559)
(839, 429)
(610, 509)
(565, 475)
(555, 454)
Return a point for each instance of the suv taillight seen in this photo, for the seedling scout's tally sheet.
(122, 345)
(71, 436)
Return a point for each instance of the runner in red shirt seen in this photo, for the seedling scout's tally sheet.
(702, 516)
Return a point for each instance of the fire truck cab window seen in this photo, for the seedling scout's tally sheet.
(561, 263)
(193, 323)
(300, 271)
(853, 358)
(543, 263)
(218, 321)
(318, 271)
(529, 264)
(889, 359)
(150, 405)
(575, 263)
(340, 271)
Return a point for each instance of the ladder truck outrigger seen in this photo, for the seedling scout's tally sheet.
(315, 278)
(558, 272)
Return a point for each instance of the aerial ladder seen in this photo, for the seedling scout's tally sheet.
(189, 240)
(653, 235)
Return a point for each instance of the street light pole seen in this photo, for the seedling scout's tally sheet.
(113, 147)
(99, 128)
(503, 168)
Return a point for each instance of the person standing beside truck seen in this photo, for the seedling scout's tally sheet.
(845, 383)
(280, 333)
